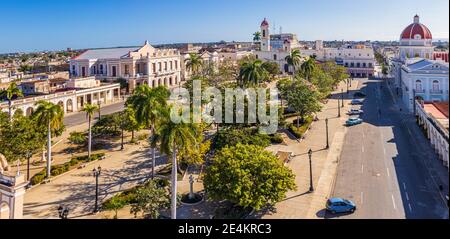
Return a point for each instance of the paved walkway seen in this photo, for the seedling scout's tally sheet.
(302, 204)
(120, 170)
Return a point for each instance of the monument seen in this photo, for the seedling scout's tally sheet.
(12, 191)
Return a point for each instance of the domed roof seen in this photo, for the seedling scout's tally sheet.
(416, 31)
(264, 23)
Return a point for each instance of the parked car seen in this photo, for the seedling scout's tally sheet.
(359, 95)
(353, 121)
(355, 112)
(339, 205)
(357, 102)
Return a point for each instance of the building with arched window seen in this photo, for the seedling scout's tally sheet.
(418, 72)
(138, 65)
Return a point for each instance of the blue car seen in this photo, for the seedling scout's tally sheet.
(339, 205)
(353, 121)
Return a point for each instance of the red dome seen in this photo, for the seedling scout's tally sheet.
(264, 23)
(416, 29)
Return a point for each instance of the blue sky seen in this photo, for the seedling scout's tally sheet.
(29, 25)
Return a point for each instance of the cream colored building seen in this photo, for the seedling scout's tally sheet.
(138, 65)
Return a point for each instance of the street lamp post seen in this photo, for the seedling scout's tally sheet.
(414, 102)
(97, 172)
(311, 188)
(28, 155)
(348, 82)
(328, 142)
(339, 109)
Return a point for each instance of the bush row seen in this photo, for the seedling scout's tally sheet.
(63, 168)
(128, 196)
(299, 132)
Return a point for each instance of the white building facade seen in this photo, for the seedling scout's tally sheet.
(138, 65)
(358, 59)
(417, 75)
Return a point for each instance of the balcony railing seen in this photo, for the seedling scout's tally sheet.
(437, 92)
(420, 91)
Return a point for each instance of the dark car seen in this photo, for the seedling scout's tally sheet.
(359, 95)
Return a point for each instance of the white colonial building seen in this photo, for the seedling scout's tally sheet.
(358, 59)
(275, 48)
(418, 73)
(138, 65)
(72, 99)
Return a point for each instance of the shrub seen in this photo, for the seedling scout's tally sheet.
(276, 139)
(78, 138)
(299, 132)
(38, 178)
(142, 137)
(231, 137)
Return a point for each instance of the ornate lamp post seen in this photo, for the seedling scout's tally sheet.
(339, 108)
(28, 156)
(96, 172)
(348, 83)
(328, 143)
(311, 188)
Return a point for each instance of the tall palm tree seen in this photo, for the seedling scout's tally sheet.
(90, 110)
(194, 63)
(308, 67)
(294, 59)
(175, 138)
(257, 36)
(148, 104)
(253, 72)
(11, 92)
(52, 116)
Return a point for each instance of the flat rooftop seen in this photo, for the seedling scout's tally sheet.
(439, 111)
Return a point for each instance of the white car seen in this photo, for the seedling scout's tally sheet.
(355, 112)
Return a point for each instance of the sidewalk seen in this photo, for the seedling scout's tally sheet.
(437, 171)
(302, 204)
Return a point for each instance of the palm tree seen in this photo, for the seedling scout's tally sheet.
(194, 63)
(90, 110)
(9, 94)
(294, 59)
(175, 138)
(257, 36)
(148, 105)
(253, 72)
(52, 116)
(308, 67)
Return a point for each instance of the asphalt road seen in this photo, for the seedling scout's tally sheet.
(387, 167)
(80, 118)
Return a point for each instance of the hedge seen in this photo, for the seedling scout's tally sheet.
(63, 168)
(128, 196)
(276, 139)
(299, 132)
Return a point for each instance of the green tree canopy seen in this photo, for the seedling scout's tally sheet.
(249, 176)
(303, 98)
(252, 73)
(19, 137)
(150, 199)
